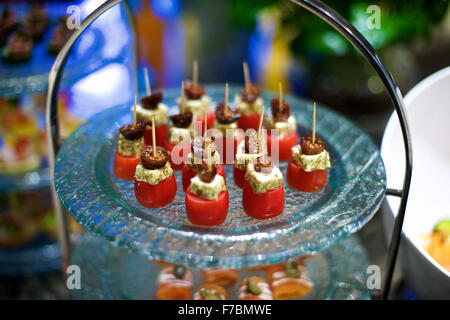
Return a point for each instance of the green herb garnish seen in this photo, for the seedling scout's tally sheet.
(179, 271)
(291, 269)
(210, 294)
(253, 288)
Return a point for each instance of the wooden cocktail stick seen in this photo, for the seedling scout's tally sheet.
(260, 128)
(195, 72)
(182, 98)
(246, 76)
(314, 124)
(153, 136)
(205, 127)
(280, 97)
(147, 82)
(226, 98)
(134, 110)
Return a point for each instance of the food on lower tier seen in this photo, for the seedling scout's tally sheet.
(226, 123)
(178, 143)
(254, 288)
(61, 34)
(36, 22)
(155, 184)
(263, 192)
(289, 280)
(151, 106)
(439, 243)
(202, 149)
(174, 283)
(128, 153)
(8, 21)
(221, 276)
(19, 47)
(247, 152)
(307, 170)
(207, 197)
(21, 141)
(281, 130)
(210, 291)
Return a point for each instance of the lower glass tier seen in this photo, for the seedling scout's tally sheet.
(109, 272)
(40, 255)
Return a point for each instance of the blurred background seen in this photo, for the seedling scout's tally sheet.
(280, 41)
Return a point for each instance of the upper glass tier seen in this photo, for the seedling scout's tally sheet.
(310, 222)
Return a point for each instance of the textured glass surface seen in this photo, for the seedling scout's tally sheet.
(115, 273)
(32, 76)
(310, 221)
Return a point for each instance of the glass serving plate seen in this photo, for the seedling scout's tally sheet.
(310, 222)
(115, 273)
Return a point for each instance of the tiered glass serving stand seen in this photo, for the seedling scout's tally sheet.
(310, 223)
(29, 78)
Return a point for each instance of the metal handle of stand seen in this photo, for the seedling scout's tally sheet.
(364, 47)
(323, 12)
(51, 111)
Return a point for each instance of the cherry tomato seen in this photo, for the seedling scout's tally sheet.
(125, 166)
(161, 135)
(284, 145)
(239, 177)
(249, 122)
(299, 179)
(262, 206)
(158, 195)
(178, 154)
(188, 174)
(205, 212)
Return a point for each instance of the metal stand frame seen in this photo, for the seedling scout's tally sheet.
(314, 6)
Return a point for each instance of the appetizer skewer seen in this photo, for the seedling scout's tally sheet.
(197, 101)
(263, 192)
(8, 21)
(221, 276)
(254, 288)
(174, 283)
(60, 35)
(202, 149)
(36, 22)
(155, 184)
(249, 103)
(307, 170)
(129, 147)
(19, 47)
(152, 107)
(210, 291)
(282, 121)
(207, 197)
(247, 152)
(288, 280)
(181, 133)
(226, 123)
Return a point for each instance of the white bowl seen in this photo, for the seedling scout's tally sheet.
(428, 111)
